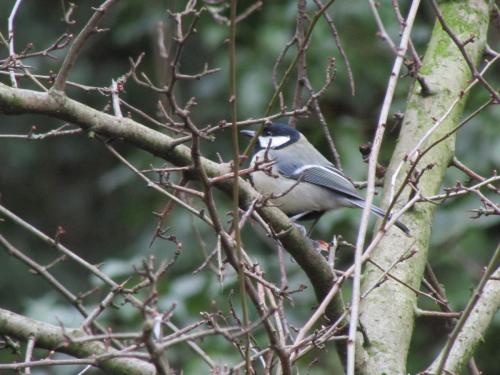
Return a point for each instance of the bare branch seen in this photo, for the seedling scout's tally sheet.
(78, 43)
(12, 52)
(50, 337)
(474, 319)
(372, 164)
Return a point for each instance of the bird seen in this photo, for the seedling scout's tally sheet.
(301, 181)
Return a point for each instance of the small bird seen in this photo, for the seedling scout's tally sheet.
(303, 183)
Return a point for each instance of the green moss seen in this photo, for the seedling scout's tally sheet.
(10, 103)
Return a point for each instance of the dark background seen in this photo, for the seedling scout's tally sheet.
(107, 212)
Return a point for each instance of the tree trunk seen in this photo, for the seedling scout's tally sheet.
(387, 313)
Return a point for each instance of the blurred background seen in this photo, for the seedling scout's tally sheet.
(108, 213)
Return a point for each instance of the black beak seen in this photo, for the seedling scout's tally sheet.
(248, 133)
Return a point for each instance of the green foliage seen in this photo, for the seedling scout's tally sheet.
(107, 212)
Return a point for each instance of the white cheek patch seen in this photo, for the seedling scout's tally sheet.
(275, 141)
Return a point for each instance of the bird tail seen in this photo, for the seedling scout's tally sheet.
(381, 213)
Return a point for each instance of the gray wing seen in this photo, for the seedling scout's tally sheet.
(326, 176)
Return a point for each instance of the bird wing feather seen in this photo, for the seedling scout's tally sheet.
(326, 176)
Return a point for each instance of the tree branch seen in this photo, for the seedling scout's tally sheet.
(473, 322)
(56, 105)
(50, 337)
(76, 46)
(389, 338)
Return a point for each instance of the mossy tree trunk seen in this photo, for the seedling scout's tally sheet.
(387, 313)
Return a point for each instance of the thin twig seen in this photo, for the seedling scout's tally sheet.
(416, 154)
(29, 352)
(157, 187)
(301, 62)
(461, 166)
(236, 186)
(372, 165)
(115, 99)
(289, 70)
(12, 52)
(78, 43)
(495, 259)
(382, 33)
(320, 310)
(43, 271)
(461, 46)
(338, 42)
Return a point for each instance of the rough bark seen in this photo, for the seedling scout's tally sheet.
(475, 326)
(387, 313)
(55, 338)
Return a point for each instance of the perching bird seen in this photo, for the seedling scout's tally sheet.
(303, 181)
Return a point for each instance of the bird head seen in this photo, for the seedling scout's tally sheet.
(274, 136)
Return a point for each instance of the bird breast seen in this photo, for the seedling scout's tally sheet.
(292, 196)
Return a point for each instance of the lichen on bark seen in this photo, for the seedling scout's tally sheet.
(387, 313)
